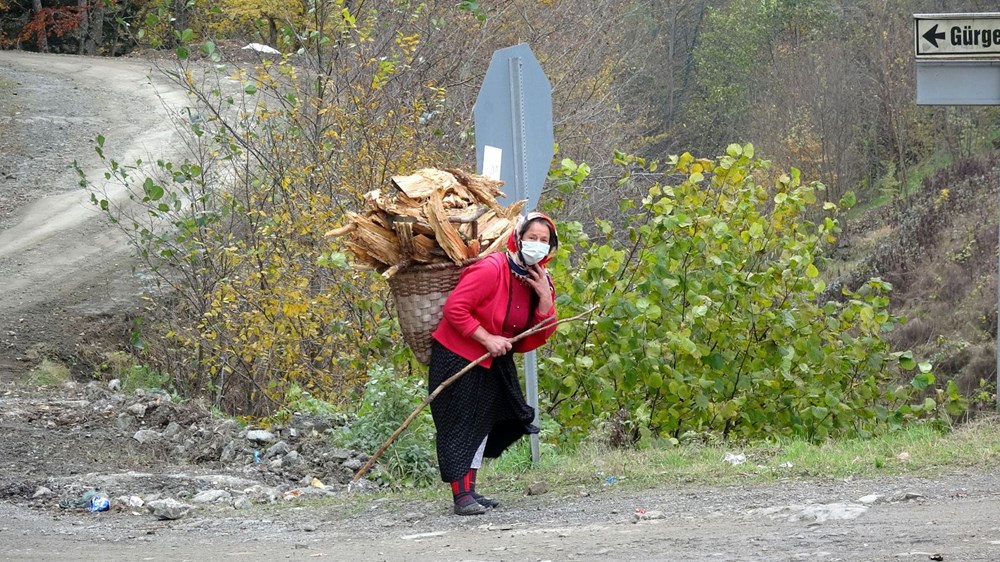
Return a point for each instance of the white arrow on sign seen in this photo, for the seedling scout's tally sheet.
(957, 35)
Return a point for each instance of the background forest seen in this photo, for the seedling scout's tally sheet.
(263, 316)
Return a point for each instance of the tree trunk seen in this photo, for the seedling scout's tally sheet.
(43, 41)
(83, 29)
(96, 19)
(180, 18)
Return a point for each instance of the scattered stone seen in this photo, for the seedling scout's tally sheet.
(211, 496)
(338, 455)
(536, 489)
(278, 449)
(292, 459)
(225, 481)
(169, 508)
(644, 515)
(114, 385)
(260, 436)
(172, 430)
(869, 499)
(144, 436)
(242, 502)
(41, 492)
(360, 486)
(125, 421)
(138, 409)
(903, 497)
(815, 513)
(307, 423)
(353, 464)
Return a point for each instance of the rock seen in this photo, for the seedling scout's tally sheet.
(360, 486)
(353, 464)
(242, 502)
(225, 481)
(41, 492)
(292, 459)
(643, 515)
(262, 494)
(904, 497)
(125, 421)
(230, 451)
(309, 422)
(172, 430)
(168, 508)
(138, 409)
(114, 385)
(536, 489)
(144, 436)
(278, 449)
(260, 436)
(338, 455)
(211, 496)
(869, 499)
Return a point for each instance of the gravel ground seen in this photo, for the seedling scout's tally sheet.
(65, 284)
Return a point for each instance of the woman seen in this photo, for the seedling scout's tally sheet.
(484, 411)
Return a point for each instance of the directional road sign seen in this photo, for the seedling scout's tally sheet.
(957, 35)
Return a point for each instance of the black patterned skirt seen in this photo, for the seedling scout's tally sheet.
(483, 402)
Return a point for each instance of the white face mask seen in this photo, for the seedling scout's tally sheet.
(533, 252)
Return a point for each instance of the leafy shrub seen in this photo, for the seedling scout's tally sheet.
(387, 401)
(712, 317)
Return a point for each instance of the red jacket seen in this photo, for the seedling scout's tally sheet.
(480, 299)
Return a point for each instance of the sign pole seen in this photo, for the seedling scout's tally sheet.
(519, 134)
(515, 141)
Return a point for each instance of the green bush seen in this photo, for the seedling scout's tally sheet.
(713, 316)
(388, 399)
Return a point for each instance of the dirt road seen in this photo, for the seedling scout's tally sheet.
(65, 282)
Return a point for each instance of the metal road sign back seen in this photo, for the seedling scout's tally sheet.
(513, 115)
(957, 35)
(515, 142)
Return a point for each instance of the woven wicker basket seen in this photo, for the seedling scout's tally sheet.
(419, 293)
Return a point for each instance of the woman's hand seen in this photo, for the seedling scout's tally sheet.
(539, 282)
(495, 345)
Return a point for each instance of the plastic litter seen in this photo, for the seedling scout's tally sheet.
(99, 503)
(91, 500)
(735, 459)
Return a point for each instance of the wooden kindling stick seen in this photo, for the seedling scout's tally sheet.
(447, 382)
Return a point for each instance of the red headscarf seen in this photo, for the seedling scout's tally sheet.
(514, 240)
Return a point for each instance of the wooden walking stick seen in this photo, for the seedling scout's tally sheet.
(447, 382)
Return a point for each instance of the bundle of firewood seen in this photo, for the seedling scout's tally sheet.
(430, 216)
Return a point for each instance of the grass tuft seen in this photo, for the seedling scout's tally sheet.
(50, 373)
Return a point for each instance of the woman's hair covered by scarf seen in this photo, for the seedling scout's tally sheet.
(521, 226)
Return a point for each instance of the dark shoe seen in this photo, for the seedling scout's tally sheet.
(471, 508)
(485, 501)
